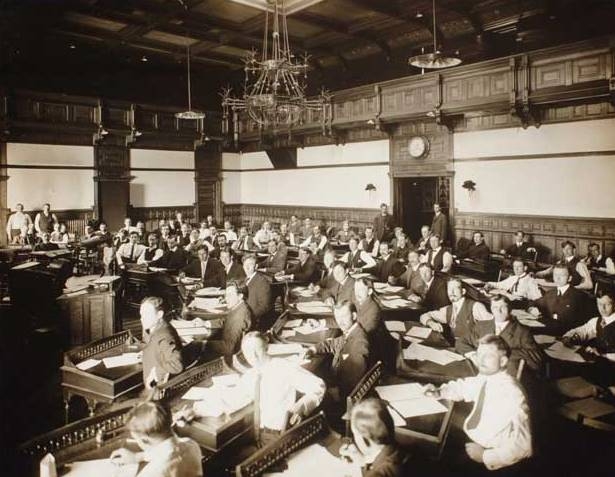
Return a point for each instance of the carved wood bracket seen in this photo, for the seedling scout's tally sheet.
(520, 105)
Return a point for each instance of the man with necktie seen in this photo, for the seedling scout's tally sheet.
(131, 251)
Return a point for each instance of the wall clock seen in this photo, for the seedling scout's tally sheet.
(418, 147)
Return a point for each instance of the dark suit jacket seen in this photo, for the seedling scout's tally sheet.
(235, 273)
(477, 252)
(238, 321)
(351, 358)
(340, 293)
(275, 263)
(163, 350)
(383, 226)
(518, 337)
(388, 463)
(173, 260)
(259, 296)
(214, 272)
(305, 272)
(436, 296)
(571, 309)
(382, 343)
(515, 251)
(390, 267)
(439, 226)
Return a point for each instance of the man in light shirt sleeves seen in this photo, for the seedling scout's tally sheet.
(520, 285)
(499, 423)
(357, 259)
(131, 251)
(598, 332)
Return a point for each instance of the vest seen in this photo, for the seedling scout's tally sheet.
(438, 262)
(368, 246)
(605, 337)
(575, 277)
(464, 323)
(45, 222)
(354, 261)
(149, 254)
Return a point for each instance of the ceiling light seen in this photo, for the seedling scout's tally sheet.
(144, 59)
(418, 15)
(72, 46)
(189, 114)
(435, 60)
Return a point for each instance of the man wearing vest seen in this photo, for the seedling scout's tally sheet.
(131, 251)
(152, 252)
(598, 332)
(440, 259)
(457, 321)
(370, 243)
(357, 259)
(43, 222)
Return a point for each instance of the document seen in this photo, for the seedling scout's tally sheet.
(420, 406)
(207, 304)
(276, 349)
(590, 407)
(558, 351)
(312, 326)
(398, 421)
(126, 359)
(544, 339)
(196, 393)
(106, 279)
(527, 319)
(313, 307)
(293, 323)
(194, 331)
(209, 291)
(422, 332)
(287, 333)
(226, 380)
(395, 303)
(393, 325)
(101, 468)
(382, 287)
(317, 460)
(400, 392)
(425, 353)
(87, 364)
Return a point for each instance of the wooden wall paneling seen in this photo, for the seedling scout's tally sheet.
(112, 184)
(208, 181)
(151, 215)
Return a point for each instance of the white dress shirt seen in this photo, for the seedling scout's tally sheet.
(231, 236)
(280, 382)
(479, 312)
(204, 233)
(523, 286)
(262, 237)
(364, 256)
(503, 426)
(126, 251)
(447, 259)
(173, 457)
(321, 243)
(157, 254)
(587, 331)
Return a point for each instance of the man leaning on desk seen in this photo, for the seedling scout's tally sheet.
(209, 270)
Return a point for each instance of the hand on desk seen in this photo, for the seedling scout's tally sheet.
(124, 456)
(350, 453)
(310, 352)
(571, 340)
(431, 390)
(532, 310)
(434, 325)
(475, 452)
(414, 298)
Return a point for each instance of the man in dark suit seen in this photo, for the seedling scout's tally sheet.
(478, 249)
(563, 307)
(519, 338)
(411, 278)
(383, 224)
(343, 290)
(435, 295)
(45, 245)
(388, 267)
(238, 321)
(519, 247)
(259, 294)
(276, 261)
(351, 351)
(439, 224)
(232, 270)
(305, 270)
(174, 258)
(209, 270)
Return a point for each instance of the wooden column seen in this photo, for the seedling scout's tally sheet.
(4, 206)
(112, 183)
(208, 181)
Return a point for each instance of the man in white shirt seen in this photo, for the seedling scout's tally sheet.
(357, 260)
(231, 236)
(152, 252)
(598, 331)
(370, 243)
(423, 244)
(440, 259)
(317, 239)
(520, 285)
(263, 236)
(204, 231)
(130, 252)
(16, 222)
(499, 423)
(166, 455)
(276, 383)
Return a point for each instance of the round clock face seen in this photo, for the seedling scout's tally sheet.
(417, 146)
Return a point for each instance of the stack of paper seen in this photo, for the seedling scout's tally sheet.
(312, 326)
(544, 339)
(393, 325)
(408, 400)
(194, 331)
(125, 359)
(395, 302)
(418, 406)
(400, 392)
(209, 291)
(276, 349)
(382, 287)
(287, 333)
(559, 351)
(313, 307)
(211, 305)
(316, 460)
(590, 407)
(87, 364)
(575, 387)
(527, 319)
(293, 323)
(425, 353)
(421, 332)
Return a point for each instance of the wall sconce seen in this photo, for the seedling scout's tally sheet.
(370, 187)
(470, 186)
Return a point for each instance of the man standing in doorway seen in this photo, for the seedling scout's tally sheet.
(383, 224)
(439, 224)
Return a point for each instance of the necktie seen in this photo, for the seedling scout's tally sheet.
(203, 268)
(453, 317)
(515, 287)
(257, 408)
(559, 292)
(132, 252)
(474, 419)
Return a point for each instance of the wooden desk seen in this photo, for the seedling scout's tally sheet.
(99, 384)
(485, 270)
(138, 283)
(306, 339)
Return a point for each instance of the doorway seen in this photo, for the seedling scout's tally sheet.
(415, 197)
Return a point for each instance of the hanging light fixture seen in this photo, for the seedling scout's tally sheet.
(274, 87)
(435, 60)
(189, 114)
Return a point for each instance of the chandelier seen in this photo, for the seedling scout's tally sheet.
(189, 113)
(274, 86)
(435, 60)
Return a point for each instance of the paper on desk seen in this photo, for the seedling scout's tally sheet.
(76, 293)
(413, 339)
(398, 421)
(197, 393)
(420, 406)
(575, 387)
(225, 379)
(276, 349)
(590, 407)
(317, 460)
(422, 332)
(472, 281)
(157, 269)
(558, 351)
(101, 468)
(400, 392)
(313, 307)
(293, 323)
(360, 275)
(383, 287)
(527, 319)
(287, 333)
(544, 339)
(87, 364)
(396, 303)
(105, 280)
(312, 326)
(425, 353)
(125, 359)
(194, 331)
(395, 326)
(209, 291)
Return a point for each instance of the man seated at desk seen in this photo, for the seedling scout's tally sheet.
(131, 251)
(519, 338)
(317, 240)
(437, 256)
(579, 274)
(563, 307)
(183, 237)
(219, 244)
(195, 243)
(459, 317)
(239, 320)
(244, 241)
(174, 258)
(422, 245)
(370, 243)
(351, 351)
(388, 268)
(519, 286)
(327, 283)
(263, 236)
(284, 235)
(358, 259)
(165, 235)
(275, 261)
(207, 269)
(499, 423)
(232, 270)
(478, 249)
(150, 425)
(45, 244)
(433, 294)
(402, 247)
(594, 259)
(598, 332)
(519, 248)
(411, 278)
(152, 252)
(305, 270)
(275, 384)
(343, 289)
(259, 293)
(229, 232)
(162, 354)
(343, 236)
